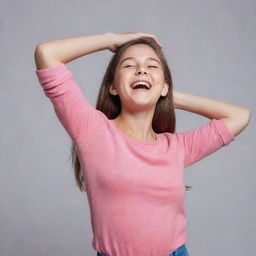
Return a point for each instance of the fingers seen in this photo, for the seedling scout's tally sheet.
(157, 41)
(140, 34)
(152, 36)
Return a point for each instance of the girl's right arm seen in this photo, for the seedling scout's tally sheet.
(73, 110)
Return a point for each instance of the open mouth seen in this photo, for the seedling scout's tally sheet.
(141, 87)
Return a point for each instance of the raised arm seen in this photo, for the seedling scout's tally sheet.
(227, 121)
(235, 117)
(49, 54)
(70, 105)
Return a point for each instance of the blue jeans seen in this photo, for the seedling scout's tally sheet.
(181, 251)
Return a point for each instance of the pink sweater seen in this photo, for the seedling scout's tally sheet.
(135, 189)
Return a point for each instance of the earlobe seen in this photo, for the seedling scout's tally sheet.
(165, 89)
(112, 90)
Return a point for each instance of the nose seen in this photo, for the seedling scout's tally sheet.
(139, 72)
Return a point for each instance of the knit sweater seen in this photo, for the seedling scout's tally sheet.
(135, 189)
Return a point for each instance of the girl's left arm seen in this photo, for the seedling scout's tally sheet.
(235, 117)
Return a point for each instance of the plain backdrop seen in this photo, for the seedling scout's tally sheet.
(210, 48)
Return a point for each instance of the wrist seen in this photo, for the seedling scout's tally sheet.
(176, 99)
(109, 39)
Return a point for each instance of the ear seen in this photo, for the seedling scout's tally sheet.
(165, 89)
(112, 89)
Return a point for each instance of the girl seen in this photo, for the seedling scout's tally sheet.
(126, 153)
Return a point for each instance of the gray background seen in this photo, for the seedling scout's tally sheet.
(210, 46)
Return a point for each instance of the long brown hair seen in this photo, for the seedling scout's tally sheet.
(164, 119)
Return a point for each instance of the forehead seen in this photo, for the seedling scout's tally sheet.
(139, 52)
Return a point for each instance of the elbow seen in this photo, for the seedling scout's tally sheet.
(245, 117)
(44, 57)
(40, 51)
(239, 121)
(39, 55)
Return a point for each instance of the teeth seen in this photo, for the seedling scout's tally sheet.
(146, 84)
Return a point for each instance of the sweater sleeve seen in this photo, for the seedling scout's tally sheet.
(204, 140)
(70, 105)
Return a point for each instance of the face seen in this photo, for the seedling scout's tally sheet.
(142, 63)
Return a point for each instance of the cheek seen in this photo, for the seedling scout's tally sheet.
(158, 78)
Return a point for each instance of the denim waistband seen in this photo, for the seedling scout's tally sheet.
(181, 251)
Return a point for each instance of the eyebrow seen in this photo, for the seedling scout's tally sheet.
(134, 58)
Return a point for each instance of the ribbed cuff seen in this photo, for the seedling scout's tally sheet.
(223, 131)
(59, 71)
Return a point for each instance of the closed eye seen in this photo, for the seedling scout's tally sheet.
(133, 66)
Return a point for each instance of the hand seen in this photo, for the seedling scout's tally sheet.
(121, 38)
